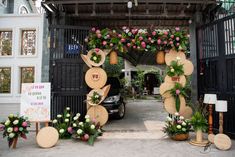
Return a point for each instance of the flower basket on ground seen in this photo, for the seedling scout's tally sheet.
(65, 122)
(87, 131)
(177, 128)
(15, 127)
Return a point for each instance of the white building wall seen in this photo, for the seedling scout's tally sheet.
(10, 103)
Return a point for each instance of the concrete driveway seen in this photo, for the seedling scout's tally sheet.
(138, 135)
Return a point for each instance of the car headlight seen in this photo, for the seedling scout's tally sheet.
(112, 99)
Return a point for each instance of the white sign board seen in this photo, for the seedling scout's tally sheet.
(35, 101)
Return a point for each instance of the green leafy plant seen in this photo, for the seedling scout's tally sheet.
(96, 97)
(176, 125)
(95, 57)
(175, 69)
(87, 131)
(15, 127)
(176, 92)
(65, 123)
(199, 122)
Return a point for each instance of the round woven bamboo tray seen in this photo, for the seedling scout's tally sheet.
(222, 142)
(99, 113)
(163, 89)
(100, 52)
(96, 77)
(169, 104)
(84, 58)
(172, 55)
(188, 67)
(186, 112)
(90, 94)
(47, 137)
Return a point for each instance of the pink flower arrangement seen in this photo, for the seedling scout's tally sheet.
(154, 33)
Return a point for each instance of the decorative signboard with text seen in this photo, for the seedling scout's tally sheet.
(35, 101)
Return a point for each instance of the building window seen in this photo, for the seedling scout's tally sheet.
(5, 80)
(23, 10)
(26, 75)
(5, 43)
(3, 3)
(28, 42)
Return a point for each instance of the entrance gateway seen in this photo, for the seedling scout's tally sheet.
(111, 14)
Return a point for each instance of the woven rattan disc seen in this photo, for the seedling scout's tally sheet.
(181, 80)
(90, 94)
(169, 104)
(106, 90)
(222, 142)
(99, 113)
(84, 58)
(98, 52)
(186, 112)
(96, 77)
(163, 90)
(211, 138)
(47, 137)
(188, 67)
(174, 55)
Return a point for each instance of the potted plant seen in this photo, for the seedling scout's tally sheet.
(175, 70)
(64, 123)
(87, 131)
(177, 128)
(15, 127)
(199, 123)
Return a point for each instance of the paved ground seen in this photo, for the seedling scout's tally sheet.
(138, 135)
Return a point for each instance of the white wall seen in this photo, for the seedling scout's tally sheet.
(10, 103)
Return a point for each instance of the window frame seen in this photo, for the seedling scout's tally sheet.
(12, 42)
(20, 76)
(11, 84)
(2, 4)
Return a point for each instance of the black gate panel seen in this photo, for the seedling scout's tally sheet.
(216, 66)
(67, 70)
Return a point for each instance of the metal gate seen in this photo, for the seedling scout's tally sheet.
(216, 66)
(67, 69)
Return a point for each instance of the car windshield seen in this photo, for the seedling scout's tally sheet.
(115, 86)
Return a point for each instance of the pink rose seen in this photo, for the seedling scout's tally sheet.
(166, 33)
(159, 41)
(177, 91)
(93, 29)
(104, 43)
(172, 36)
(177, 38)
(97, 31)
(108, 36)
(124, 27)
(154, 33)
(97, 50)
(119, 35)
(24, 124)
(128, 44)
(149, 38)
(171, 42)
(70, 130)
(141, 38)
(177, 29)
(179, 122)
(111, 44)
(86, 136)
(143, 44)
(93, 120)
(134, 47)
(165, 42)
(99, 35)
(177, 44)
(16, 129)
(133, 31)
(123, 40)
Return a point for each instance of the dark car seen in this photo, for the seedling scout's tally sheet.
(114, 103)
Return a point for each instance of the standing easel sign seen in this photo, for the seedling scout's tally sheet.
(35, 102)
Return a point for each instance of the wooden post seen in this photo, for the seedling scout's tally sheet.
(221, 120)
(210, 119)
(37, 127)
(14, 142)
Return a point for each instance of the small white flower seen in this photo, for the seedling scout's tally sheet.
(79, 131)
(9, 130)
(15, 122)
(61, 131)
(184, 124)
(54, 121)
(92, 126)
(80, 123)
(11, 115)
(178, 58)
(74, 125)
(183, 129)
(94, 58)
(67, 115)
(11, 135)
(177, 114)
(75, 118)
(178, 126)
(87, 120)
(87, 116)
(7, 122)
(66, 120)
(78, 115)
(67, 108)
(96, 96)
(181, 118)
(172, 70)
(59, 116)
(168, 119)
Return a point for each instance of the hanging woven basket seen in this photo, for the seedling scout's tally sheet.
(113, 57)
(160, 57)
